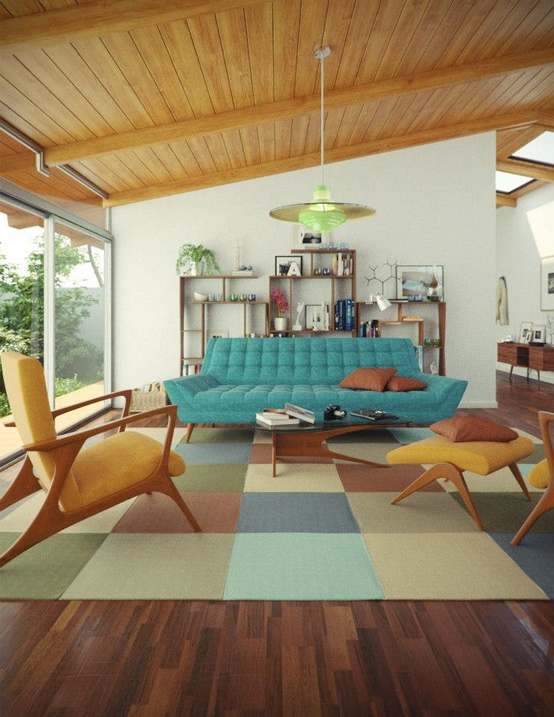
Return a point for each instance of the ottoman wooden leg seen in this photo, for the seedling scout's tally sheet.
(450, 472)
(517, 474)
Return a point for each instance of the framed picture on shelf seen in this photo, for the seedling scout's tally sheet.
(525, 332)
(547, 283)
(307, 238)
(415, 282)
(538, 334)
(284, 265)
(314, 317)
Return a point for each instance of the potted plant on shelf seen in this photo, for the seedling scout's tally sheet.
(196, 260)
(281, 303)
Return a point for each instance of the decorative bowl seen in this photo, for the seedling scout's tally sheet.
(200, 297)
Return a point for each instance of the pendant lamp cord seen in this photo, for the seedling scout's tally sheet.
(321, 120)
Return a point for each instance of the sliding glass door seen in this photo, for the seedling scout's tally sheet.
(54, 306)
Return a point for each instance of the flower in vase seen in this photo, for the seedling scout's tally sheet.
(280, 302)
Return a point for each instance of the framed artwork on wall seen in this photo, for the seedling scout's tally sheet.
(414, 282)
(547, 283)
(283, 265)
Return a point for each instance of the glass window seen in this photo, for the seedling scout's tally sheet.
(79, 317)
(21, 297)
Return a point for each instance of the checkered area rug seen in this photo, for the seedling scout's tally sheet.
(319, 530)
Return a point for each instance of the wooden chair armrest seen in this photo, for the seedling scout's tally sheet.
(84, 435)
(126, 393)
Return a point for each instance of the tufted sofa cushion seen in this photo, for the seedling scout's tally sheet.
(303, 361)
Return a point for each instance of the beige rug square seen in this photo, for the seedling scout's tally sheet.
(155, 567)
(293, 478)
(501, 481)
(17, 518)
(375, 452)
(418, 513)
(447, 566)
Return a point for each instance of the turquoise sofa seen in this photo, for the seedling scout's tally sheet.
(242, 376)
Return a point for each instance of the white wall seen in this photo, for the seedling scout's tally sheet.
(525, 234)
(435, 204)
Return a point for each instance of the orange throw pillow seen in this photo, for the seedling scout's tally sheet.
(469, 428)
(403, 383)
(368, 379)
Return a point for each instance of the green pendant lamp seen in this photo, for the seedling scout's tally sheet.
(321, 214)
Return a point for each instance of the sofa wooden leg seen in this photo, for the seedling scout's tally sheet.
(190, 429)
(448, 472)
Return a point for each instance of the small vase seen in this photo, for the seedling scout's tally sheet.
(280, 323)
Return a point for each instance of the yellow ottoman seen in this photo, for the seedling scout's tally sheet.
(450, 459)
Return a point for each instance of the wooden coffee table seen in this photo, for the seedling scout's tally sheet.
(308, 439)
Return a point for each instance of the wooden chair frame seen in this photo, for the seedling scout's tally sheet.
(64, 449)
(547, 499)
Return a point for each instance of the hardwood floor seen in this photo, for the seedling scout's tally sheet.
(305, 659)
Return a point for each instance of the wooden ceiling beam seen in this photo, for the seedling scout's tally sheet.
(97, 18)
(340, 154)
(526, 169)
(79, 151)
(503, 200)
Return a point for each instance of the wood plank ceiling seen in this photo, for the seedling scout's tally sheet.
(146, 98)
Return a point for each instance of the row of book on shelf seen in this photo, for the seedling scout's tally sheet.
(345, 315)
(342, 264)
(189, 369)
(154, 387)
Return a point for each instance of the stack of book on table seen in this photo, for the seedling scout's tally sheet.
(276, 417)
(288, 416)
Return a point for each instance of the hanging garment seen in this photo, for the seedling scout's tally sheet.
(502, 302)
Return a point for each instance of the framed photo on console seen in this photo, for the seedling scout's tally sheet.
(526, 332)
(538, 334)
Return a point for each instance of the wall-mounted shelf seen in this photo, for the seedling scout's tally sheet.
(195, 315)
(316, 288)
(417, 314)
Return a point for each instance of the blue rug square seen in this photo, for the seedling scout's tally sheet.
(215, 452)
(296, 566)
(296, 513)
(533, 555)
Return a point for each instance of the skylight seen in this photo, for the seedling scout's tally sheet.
(507, 182)
(540, 149)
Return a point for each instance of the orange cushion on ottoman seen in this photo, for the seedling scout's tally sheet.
(469, 428)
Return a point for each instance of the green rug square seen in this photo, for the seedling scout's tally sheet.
(212, 478)
(44, 571)
(300, 566)
(506, 512)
